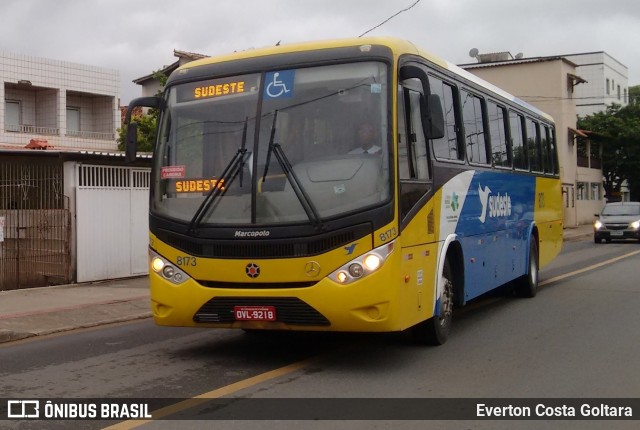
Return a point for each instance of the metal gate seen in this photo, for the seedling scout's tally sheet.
(112, 205)
(35, 224)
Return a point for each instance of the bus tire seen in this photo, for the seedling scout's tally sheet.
(435, 330)
(527, 284)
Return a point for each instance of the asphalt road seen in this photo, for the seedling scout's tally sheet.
(578, 338)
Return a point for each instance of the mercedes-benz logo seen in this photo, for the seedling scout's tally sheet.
(252, 270)
(312, 269)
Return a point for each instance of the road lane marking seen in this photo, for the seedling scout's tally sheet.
(217, 393)
(588, 268)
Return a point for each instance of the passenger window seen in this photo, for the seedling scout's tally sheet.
(404, 166)
(554, 150)
(473, 121)
(446, 148)
(517, 141)
(413, 158)
(533, 146)
(548, 151)
(417, 140)
(500, 154)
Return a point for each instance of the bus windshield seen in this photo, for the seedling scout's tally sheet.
(288, 146)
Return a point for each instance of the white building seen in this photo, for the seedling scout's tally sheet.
(57, 103)
(606, 82)
(70, 209)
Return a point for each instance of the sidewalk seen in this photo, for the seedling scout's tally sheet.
(576, 233)
(40, 311)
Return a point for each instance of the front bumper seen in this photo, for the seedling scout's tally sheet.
(609, 235)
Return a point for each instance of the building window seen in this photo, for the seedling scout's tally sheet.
(582, 149)
(619, 92)
(588, 191)
(581, 191)
(595, 191)
(595, 155)
(12, 116)
(73, 120)
(607, 89)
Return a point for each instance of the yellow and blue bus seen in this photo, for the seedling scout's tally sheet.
(271, 208)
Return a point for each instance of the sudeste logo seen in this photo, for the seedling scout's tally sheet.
(494, 206)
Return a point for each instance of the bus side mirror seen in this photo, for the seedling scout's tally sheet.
(131, 140)
(435, 119)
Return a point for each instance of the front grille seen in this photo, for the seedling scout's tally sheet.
(256, 285)
(617, 226)
(289, 310)
(256, 248)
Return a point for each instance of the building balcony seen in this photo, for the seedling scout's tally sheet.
(32, 129)
(50, 131)
(90, 135)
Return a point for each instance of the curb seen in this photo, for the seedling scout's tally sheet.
(577, 237)
(61, 319)
(7, 335)
(10, 335)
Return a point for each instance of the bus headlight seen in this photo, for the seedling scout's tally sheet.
(356, 270)
(168, 272)
(342, 277)
(157, 264)
(166, 269)
(372, 262)
(363, 265)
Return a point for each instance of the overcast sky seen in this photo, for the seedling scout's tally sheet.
(138, 37)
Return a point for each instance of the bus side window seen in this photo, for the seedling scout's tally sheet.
(533, 146)
(413, 159)
(447, 147)
(548, 151)
(517, 141)
(500, 151)
(473, 120)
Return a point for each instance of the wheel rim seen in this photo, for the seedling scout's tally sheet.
(447, 303)
(533, 269)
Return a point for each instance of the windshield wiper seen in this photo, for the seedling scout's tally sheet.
(283, 161)
(235, 167)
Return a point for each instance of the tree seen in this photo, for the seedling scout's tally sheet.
(147, 123)
(618, 130)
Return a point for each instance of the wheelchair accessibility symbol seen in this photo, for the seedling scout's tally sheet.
(279, 85)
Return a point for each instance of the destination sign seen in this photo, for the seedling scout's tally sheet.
(197, 185)
(217, 88)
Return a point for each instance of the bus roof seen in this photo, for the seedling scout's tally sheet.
(397, 45)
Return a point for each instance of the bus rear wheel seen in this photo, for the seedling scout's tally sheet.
(435, 330)
(527, 285)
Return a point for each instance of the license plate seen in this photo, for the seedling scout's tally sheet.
(617, 233)
(254, 313)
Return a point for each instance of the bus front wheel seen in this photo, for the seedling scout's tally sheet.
(436, 329)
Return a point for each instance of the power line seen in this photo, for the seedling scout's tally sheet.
(390, 18)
